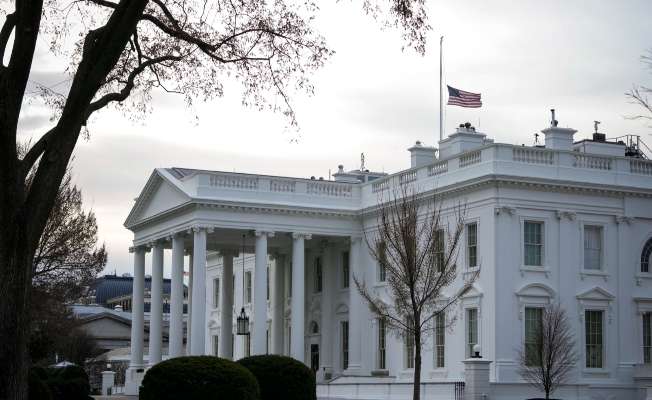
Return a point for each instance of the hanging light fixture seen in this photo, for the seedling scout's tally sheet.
(242, 326)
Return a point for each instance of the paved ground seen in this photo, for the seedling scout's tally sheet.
(116, 397)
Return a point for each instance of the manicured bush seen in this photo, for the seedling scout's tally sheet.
(38, 388)
(199, 378)
(282, 377)
(68, 383)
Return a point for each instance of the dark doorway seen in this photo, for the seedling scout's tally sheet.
(314, 357)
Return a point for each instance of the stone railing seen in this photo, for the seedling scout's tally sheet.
(533, 156)
(282, 185)
(639, 166)
(380, 185)
(328, 188)
(470, 158)
(592, 162)
(234, 181)
(407, 177)
(437, 168)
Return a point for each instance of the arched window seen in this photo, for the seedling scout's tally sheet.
(645, 256)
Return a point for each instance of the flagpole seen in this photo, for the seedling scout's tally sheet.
(441, 93)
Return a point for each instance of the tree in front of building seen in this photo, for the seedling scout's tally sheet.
(119, 53)
(416, 247)
(639, 93)
(548, 353)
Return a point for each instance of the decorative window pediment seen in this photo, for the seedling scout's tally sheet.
(536, 295)
(342, 309)
(643, 304)
(596, 299)
(596, 294)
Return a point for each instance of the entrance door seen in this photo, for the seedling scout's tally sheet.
(314, 357)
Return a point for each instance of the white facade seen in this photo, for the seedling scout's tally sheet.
(543, 224)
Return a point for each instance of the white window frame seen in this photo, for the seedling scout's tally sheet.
(248, 283)
(377, 352)
(597, 300)
(545, 267)
(467, 259)
(216, 292)
(603, 314)
(544, 242)
(406, 358)
(467, 350)
(345, 255)
(473, 299)
(643, 305)
(435, 342)
(602, 272)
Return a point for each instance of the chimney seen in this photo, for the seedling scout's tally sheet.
(558, 138)
(421, 155)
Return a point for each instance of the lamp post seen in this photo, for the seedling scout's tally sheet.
(242, 326)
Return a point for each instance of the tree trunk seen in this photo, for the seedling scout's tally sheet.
(416, 395)
(15, 285)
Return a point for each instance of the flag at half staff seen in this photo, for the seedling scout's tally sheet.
(457, 97)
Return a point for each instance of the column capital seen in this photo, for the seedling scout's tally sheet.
(143, 247)
(570, 215)
(301, 235)
(261, 232)
(199, 228)
(624, 219)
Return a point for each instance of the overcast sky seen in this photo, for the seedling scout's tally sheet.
(524, 57)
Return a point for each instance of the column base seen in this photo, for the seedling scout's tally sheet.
(325, 373)
(133, 378)
(353, 370)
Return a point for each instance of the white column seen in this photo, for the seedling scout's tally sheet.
(135, 372)
(297, 351)
(137, 310)
(176, 299)
(226, 305)
(278, 303)
(198, 293)
(326, 324)
(260, 293)
(189, 319)
(356, 304)
(156, 309)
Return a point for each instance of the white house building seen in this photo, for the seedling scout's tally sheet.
(568, 222)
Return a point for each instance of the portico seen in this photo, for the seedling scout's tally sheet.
(168, 223)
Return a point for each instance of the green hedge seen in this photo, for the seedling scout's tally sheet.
(282, 377)
(199, 378)
(38, 388)
(68, 383)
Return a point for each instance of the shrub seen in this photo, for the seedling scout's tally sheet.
(199, 378)
(38, 389)
(68, 383)
(282, 377)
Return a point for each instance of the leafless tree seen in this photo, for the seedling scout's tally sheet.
(119, 53)
(417, 249)
(639, 93)
(548, 358)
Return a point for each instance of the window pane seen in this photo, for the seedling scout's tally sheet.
(472, 330)
(439, 250)
(472, 244)
(381, 344)
(382, 269)
(345, 344)
(592, 247)
(645, 256)
(318, 275)
(345, 269)
(440, 337)
(593, 332)
(533, 243)
(248, 287)
(533, 318)
(647, 338)
(216, 292)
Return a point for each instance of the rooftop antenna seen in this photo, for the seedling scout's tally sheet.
(362, 162)
(553, 121)
(595, 125)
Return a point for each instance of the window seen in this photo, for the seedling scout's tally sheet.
(533, 243)
(267, 339)
(248, 287)
(233, 291)
(290, 281)
(647, 338)
(247, 345)
(440, 340)
(289, 337)
(345, 344)
(471, 330)
(472, 245)
(592, 247)
(645, 256)
(593, 332)
(345, 270)
(533, 319)
(216, 343)
(216, 293)
(381, 249)
(318, 275)
(382, 328)
(409, 347)
(439, 250)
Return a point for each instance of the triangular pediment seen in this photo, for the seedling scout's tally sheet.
(158, 196)
(597, 293)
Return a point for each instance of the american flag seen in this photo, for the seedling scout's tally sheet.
(457, 97)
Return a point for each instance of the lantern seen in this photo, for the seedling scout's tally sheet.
(242, 326)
